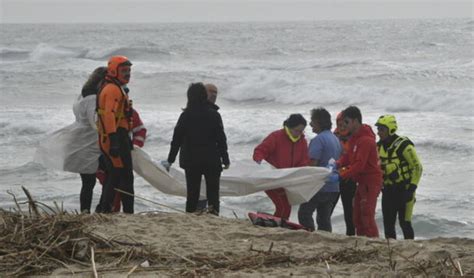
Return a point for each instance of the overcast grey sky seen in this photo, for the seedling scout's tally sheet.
(108, 11)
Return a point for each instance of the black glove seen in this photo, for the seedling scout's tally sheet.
(409, 192)
(114, 145)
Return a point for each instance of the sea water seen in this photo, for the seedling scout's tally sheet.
(419, 70)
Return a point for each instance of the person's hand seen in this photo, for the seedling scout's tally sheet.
(332, 165)
(342, 172)
(409, 192)
(226, 166)
(114, 150)
(333, 177)
(166, 165)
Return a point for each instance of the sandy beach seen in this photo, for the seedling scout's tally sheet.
(178, 244)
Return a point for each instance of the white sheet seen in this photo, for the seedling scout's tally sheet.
(73, 148)
(243, 178)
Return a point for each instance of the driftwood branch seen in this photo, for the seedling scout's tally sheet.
(48, 240)
(31, 202)
(94, 269)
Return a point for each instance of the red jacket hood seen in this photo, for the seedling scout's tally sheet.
(364, 130)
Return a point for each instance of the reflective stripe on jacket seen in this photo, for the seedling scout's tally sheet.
(399, 162)
(138, 130)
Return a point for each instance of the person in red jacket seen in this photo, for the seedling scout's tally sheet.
(138, 130)
(362, 165)
(138, 140)
(284, 148)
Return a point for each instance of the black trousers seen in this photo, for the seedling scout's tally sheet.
(393, 204)
(87, 190)
(323, 204)
(348, 189)
(121, 178)
(193, 186)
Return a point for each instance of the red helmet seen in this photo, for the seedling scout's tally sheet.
(114, 63)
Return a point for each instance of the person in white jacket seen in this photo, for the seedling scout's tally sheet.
(75, 148)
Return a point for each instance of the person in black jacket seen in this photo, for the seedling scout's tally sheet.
(199, 137)
(211, 90)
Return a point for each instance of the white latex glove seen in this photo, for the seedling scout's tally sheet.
(166, 164)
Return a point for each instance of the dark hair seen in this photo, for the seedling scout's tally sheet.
(352, 112)
(323, 118)
(91, 87)
(197, 95)
(294, 120)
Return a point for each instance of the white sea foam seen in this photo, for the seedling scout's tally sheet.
(420, 71)
(45, 52)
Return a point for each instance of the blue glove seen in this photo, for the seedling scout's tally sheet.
(333, 177)
(332, 165)
(166, 164)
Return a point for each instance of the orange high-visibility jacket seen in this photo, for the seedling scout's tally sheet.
(112, 110)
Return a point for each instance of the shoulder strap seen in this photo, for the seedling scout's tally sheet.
(100, 112)
(100, 123)
(400, 146)
(394, 146)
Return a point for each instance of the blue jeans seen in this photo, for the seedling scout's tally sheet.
(323, 204)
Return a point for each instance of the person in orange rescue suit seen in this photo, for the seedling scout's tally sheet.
(347, 187)
(362, 164)
(284, 148)
(114, 124)
(138, 139)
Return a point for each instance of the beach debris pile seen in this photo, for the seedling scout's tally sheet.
(44, 240)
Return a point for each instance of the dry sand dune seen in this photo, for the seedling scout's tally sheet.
(191, 245)
(62, 244)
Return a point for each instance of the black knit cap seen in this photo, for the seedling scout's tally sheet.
(294, 120)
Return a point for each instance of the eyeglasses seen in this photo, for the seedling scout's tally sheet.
(124, 70)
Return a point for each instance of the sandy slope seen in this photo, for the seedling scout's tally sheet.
(191, 245)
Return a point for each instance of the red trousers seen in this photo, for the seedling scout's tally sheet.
(280, 200)
(365, 202)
